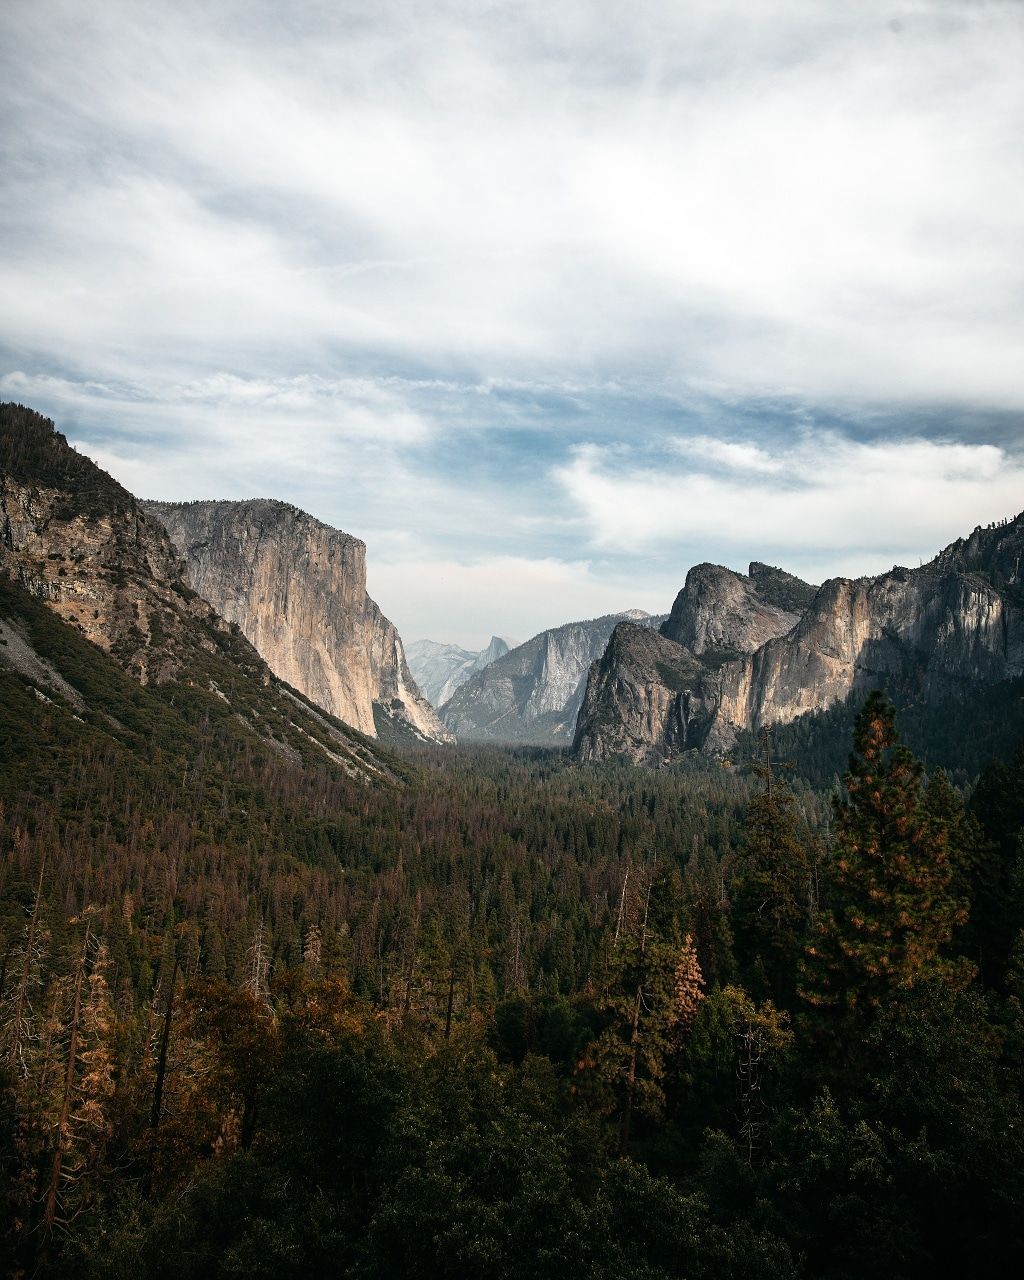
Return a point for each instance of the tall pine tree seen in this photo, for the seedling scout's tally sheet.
(893, 904)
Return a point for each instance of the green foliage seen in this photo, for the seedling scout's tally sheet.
(771, 897)
(464, 1007)
(893, 903)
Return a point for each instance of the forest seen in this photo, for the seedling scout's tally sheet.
(499, 1014)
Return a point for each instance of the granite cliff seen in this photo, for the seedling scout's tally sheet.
(76, 540)
(651, 696)
(532, 694)
(743, 653)
(296, 589)
(439, 669)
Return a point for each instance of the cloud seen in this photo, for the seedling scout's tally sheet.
(528, 284)
(784, 196)
(730, 454)
(510, 594)
(824, 500)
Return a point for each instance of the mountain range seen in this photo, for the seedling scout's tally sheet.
(742, 652)
(440, 668)
(81, 560)
(532, 694)
(260, 596)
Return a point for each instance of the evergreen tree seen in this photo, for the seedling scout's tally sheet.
(893, 904)
(770, 900)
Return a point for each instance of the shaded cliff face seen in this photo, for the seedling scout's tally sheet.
(296, 589)
(645, 700)
(949, 627)
(723, 613)
(74, 539)
(533, 693)
(954, 625)
(440, 669)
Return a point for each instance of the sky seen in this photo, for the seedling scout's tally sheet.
(544, 302)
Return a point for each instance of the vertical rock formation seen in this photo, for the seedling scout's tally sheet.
(73, 538)
(533, 692)
(651, 697)
(769, 648)
(296, 589)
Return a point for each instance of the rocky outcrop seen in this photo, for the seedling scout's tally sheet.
(941, 630)
(73, 538)
(76, 539)
(645, 700)
(296, 589)
(723, 613)
(651, 697)
(533, 693)
(938, 632)
(440, 669)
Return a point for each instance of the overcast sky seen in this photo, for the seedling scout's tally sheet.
(546, 302)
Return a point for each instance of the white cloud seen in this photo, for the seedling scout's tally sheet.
(510, 595)
(828, 502)
(320, 252)
(779, 194)
(730, 454)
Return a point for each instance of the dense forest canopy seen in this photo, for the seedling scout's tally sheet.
(500, 1014)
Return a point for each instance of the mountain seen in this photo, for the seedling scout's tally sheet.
(725, 613)
(652, 695)
(439, 669)
(533, 692)
(75, 541)
(743, 653)
(296, 588)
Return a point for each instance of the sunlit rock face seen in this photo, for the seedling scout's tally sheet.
(765, 648)
(533, 693)
(79, 541)
(296, 588)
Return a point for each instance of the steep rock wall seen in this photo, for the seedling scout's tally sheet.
(296, 589)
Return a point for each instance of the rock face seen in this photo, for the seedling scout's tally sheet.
(79, 541)
(440, 669)
(644, 700)
(945, 629)
(75, 539)
(769, 648)
(723, 613)
(651, 697)
(532, 694)
(296, 589)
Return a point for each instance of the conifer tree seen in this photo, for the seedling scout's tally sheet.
(770, 901)
(893, 906)
(652, 991)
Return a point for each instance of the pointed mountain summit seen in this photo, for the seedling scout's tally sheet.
(440, 669)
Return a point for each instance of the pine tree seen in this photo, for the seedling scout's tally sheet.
(689, 985)
(770, 900)
(893, 904)
(652, 989)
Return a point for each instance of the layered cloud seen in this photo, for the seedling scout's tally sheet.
(526, 284)
(822, 501)
(789, 195)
